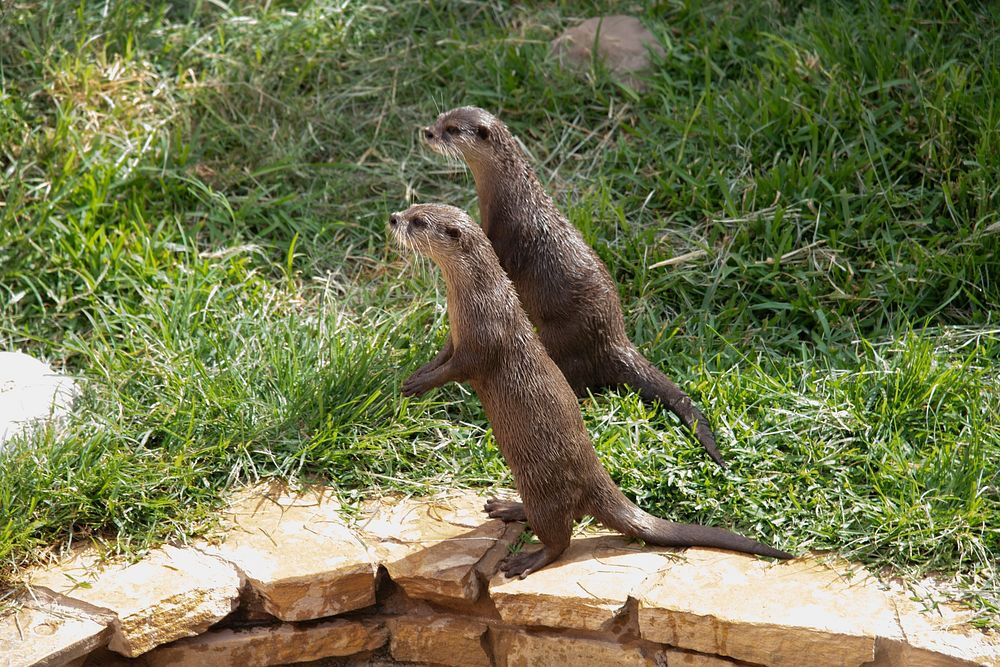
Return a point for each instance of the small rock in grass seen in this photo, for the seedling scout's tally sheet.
(623, 43)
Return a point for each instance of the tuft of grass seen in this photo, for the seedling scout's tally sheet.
(800, 210)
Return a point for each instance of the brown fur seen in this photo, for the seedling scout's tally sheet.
(562, 283)
(533, 411)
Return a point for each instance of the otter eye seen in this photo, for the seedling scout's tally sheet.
(418, 222)
(451, 130)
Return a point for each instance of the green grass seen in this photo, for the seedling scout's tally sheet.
(800, 209)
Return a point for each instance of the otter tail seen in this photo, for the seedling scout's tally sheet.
(640, 374)
(626, 518)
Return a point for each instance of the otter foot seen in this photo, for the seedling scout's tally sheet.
(508, 510)
(523, 564)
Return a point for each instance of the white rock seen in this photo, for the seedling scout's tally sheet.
(30, 392)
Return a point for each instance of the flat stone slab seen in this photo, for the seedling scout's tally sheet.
(275, 645)
(170, 594)
(298, 554)
(520, 648)
(586, 589)
(734, 605)
(30, 393)
(936, 638)
(674, 658)
(444, 640)
(436, 548)
(44, 632)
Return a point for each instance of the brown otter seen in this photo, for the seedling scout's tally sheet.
(563, 285)
(533, 411)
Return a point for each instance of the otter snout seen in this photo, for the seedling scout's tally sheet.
(428, 133)
(394, 219)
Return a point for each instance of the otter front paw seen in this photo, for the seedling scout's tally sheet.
(507, 510)
(416, 384)
(428, 367)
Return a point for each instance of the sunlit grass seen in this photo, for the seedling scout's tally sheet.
(800, 210)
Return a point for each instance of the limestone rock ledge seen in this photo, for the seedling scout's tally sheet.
(294, 578)
(172, 593)
(46, 632)
(763, 612)
(298, 556)
(272, 645)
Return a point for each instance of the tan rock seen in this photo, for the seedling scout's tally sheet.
(585, 589)
(444, 640)
(734, 605)
(623, 43)
(271, 645)
(674, 658)
(433, 547)
(518, 648)
(490, 564)
(44, 632)
(298, 554)
(102, 657)
(172, 593)
(941, 637)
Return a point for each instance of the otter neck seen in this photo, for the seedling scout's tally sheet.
(509, 193)
(480, 292)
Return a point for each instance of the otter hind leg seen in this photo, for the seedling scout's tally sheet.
(553, 528)
(523, 564)
(508, 510)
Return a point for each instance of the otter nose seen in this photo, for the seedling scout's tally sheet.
(428, 133)
(394, 219)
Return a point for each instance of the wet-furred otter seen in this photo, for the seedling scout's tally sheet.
(532, 409)
(562, 283)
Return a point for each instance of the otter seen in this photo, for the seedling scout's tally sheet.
(531, 407)
(562, 283)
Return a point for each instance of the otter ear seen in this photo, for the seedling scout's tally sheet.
(483, 132)
(453, 232)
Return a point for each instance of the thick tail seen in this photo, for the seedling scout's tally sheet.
(629, 520)
(652, 384)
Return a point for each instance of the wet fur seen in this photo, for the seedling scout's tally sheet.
(562, 283)
(531, 407)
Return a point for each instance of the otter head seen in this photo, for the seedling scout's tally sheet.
(435, 230)
(467, 133)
